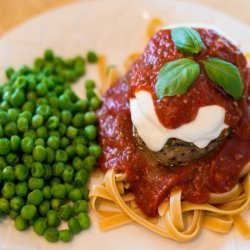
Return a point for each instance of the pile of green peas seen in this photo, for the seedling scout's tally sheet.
(48, 146)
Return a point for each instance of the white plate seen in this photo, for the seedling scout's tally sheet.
(115, 28)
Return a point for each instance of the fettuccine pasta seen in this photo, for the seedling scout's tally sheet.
(177, 219)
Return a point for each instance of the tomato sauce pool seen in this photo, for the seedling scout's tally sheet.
(150, 181)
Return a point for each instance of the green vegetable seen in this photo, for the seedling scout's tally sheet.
(44, 151)
(28, 211)
(21, 223)
(83, 220)
(51, 234)
(176, 77)
(65, 235)
(225, 75)
(40, 225)
(187, 40)
(92, 57)
(74, 226)
(35, 197)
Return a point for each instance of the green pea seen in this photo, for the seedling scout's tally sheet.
(4, 206)
(31, 96)
(4, 118)
(37, 169)
(12, 159)
(13, 214)
(35, 197)
(90, 118)
(20, 223)
(39, 153)
(48, 55)
(41, 89)
(21, 172)
(42, 133)
(90, 93)
(52, 218)
(21, 189)
(29, 106)
(26, 114)
(53, 122)
(53, 142)
(77, 163)
(55, 180)
(80, 206)
(81, 178)
(22, 124)
(58, 191)
(4, 105)
(44, 110)
(40, 225)
(70, 151)
(68, 174)
(30, 133)
(61, 156)
(83, 220)
(35, 183)
(66, 212)
(47, 192)
(9, 72)
(13, 114)
(90, 132)
(75, 194)
(37, 121)
(3, 163)
(50, 153)
(65, 142)
(95, 103)
(65, 235)
(81, 105)
(89, 163)
(58, 168)
(51, 234)
(16, 203)
(44, 207)
(40, 142)
(92, 57)
(85, 193)
(66, 117)
(8, 174)
(15, 142)
(27, 144)
(17, 98)
(4, 146)
(64, 102)
(89, 84)
(56, 204)
(62, 129)
(28, 160)
(77, 120)
(28, 211)
(10, 129)
(74, 226)
(81, 150)
(8, 191)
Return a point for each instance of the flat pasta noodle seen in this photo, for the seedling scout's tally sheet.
(178, 220)
(154, 24)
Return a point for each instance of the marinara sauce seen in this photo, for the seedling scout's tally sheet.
(150, 181)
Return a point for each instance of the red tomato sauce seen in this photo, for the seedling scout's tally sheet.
(151, 182)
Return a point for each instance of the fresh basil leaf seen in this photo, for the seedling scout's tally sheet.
(176, 77)
(224, 74)
(187, 40)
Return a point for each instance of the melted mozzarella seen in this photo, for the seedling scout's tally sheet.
(206, 127)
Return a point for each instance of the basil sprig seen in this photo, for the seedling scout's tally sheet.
(176, 77)
(225, 75)
(187, 40)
